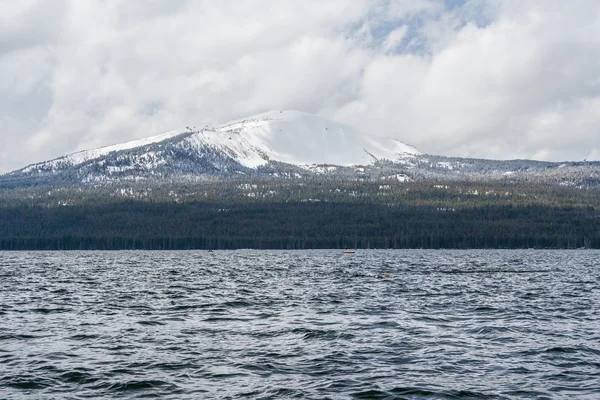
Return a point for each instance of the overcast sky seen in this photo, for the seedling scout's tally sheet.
(494, 79)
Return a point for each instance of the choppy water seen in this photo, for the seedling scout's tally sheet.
(300, 324)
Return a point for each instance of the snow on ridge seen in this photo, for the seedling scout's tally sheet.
(404, 148)
(231, 144)
(300, 138)
(262, 118)
(288, 136)
(85, 155)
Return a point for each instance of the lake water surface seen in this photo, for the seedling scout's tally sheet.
(376, 324)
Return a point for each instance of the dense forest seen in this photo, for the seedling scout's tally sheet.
(302, 215)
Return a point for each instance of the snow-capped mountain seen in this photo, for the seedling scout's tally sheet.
(298, 138)
(281, 144)
(243, 146)
(290, 137)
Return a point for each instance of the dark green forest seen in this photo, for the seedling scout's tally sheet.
(302, 215)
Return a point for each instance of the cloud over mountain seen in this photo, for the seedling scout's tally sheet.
(506, 79)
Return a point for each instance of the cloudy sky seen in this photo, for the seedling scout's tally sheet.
(494, 79)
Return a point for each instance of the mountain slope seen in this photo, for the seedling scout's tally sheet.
(299, 138)
(290, 138)
(81, 157)
(282, 144)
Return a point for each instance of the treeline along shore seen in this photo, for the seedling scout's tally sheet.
(162, 226)
(272, 214)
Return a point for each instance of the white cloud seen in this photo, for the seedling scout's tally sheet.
(394, 38)
(488, 79)
(482, 91)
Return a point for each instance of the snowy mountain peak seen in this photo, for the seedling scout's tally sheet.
(284, 136)
(281, 144)
(299, 138)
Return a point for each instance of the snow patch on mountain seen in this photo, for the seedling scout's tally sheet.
(299, 138)
(81, 157)
(229, 143)
(288, 137)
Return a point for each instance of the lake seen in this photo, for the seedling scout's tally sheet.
(377, 324)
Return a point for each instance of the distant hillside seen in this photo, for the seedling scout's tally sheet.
(281, 145)
(287, 179)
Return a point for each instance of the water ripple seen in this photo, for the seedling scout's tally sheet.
(300, 324)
